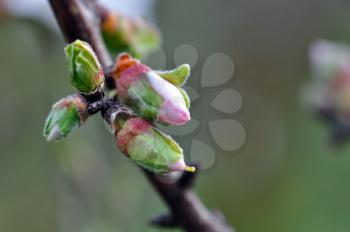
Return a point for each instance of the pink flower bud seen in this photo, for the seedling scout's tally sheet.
(149, 147)
(150, 95)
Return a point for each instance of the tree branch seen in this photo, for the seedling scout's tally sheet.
(186, 210)
(77, 22)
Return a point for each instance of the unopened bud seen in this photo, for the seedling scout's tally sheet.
(122, 33)
(149, 147)
(66, 115)
(85, 71)
(328, 58)
(152, 96)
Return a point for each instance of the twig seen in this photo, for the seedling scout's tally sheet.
(186, 210)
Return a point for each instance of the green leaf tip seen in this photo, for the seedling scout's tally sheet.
(177, 76)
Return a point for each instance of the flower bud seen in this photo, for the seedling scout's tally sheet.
(122, 33)
(150, 95)
(331, 68)
(66, 115)
(327, 58)
(84, 68)
(149, 147)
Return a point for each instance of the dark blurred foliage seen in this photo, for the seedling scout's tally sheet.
(285, 178)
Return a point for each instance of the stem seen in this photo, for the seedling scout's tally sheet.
(186, 209)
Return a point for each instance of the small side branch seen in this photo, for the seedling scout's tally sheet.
(78, 21)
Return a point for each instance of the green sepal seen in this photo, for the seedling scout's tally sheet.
(177, 76)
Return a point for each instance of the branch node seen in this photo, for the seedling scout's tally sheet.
(94, 107)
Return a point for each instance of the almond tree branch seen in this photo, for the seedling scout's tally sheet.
(78, 21)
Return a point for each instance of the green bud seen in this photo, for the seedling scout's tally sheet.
(84, 68)
(115, 33)
(149, 147)
(125, 34)
(66, 115)
(146, 39)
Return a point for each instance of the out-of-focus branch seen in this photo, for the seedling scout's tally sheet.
(78, 21)
(3, 10)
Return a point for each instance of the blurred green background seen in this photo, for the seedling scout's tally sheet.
(285, 178)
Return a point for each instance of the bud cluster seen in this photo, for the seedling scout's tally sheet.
(146, 96)
(86, 75)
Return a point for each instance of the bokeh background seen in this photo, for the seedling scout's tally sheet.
(285, 177)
